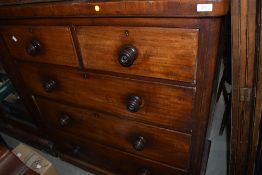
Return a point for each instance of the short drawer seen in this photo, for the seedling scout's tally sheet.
(168, 53)
(52, 44)
(155, 143)
(108, 159)
(157, 103)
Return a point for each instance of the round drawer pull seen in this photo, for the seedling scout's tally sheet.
(65, 120)
(133, 103)
(145, 172)
(127, 55)
(49, 85)
(34, 47)
(140, 143)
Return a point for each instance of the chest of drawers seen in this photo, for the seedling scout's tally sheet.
(120, 87)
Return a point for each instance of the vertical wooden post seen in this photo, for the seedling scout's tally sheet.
(258, 100)
(243, 17)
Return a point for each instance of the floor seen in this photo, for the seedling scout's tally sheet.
(217, 156)
(217, 161)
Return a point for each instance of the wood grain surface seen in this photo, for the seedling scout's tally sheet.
(57, 44)
(162, 104)
(127, 8)
(169, 53)
(105, 160)
(169, 147)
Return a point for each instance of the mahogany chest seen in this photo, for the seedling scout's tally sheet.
(120, 87)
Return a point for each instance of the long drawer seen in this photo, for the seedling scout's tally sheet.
(169, 53)
(46, 44)
(157, 103)
(108, 159)
(158, 144)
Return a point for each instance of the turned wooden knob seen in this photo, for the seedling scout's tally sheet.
(49, 85)
(65, 120)
(34, 47)
(139, 144)
(133, 103)
(127, 55)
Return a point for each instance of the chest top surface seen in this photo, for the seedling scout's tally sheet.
(112, 8)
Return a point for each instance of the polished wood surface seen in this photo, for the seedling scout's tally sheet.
(108, 159)
(167, 146)
(57, 44)
(168, 53)
(127, 8)
(163, 104)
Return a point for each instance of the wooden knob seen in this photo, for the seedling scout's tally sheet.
(127, 55)
(64, 120)
(50, 85)
(133, 103)
(139, 144)
(34, 47)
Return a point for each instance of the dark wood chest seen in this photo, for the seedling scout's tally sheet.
(120, 87)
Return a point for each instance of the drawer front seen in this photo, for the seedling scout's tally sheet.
(152, 102)
(109, 159)
(168, 53)
(52, 45)
(158, 144)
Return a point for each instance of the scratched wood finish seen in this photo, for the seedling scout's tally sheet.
(162, 104)
(160, 8)
(176, 60)
(105, 160)
(255, 132)
(167, 146)
(243, 29)
(57, 44)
